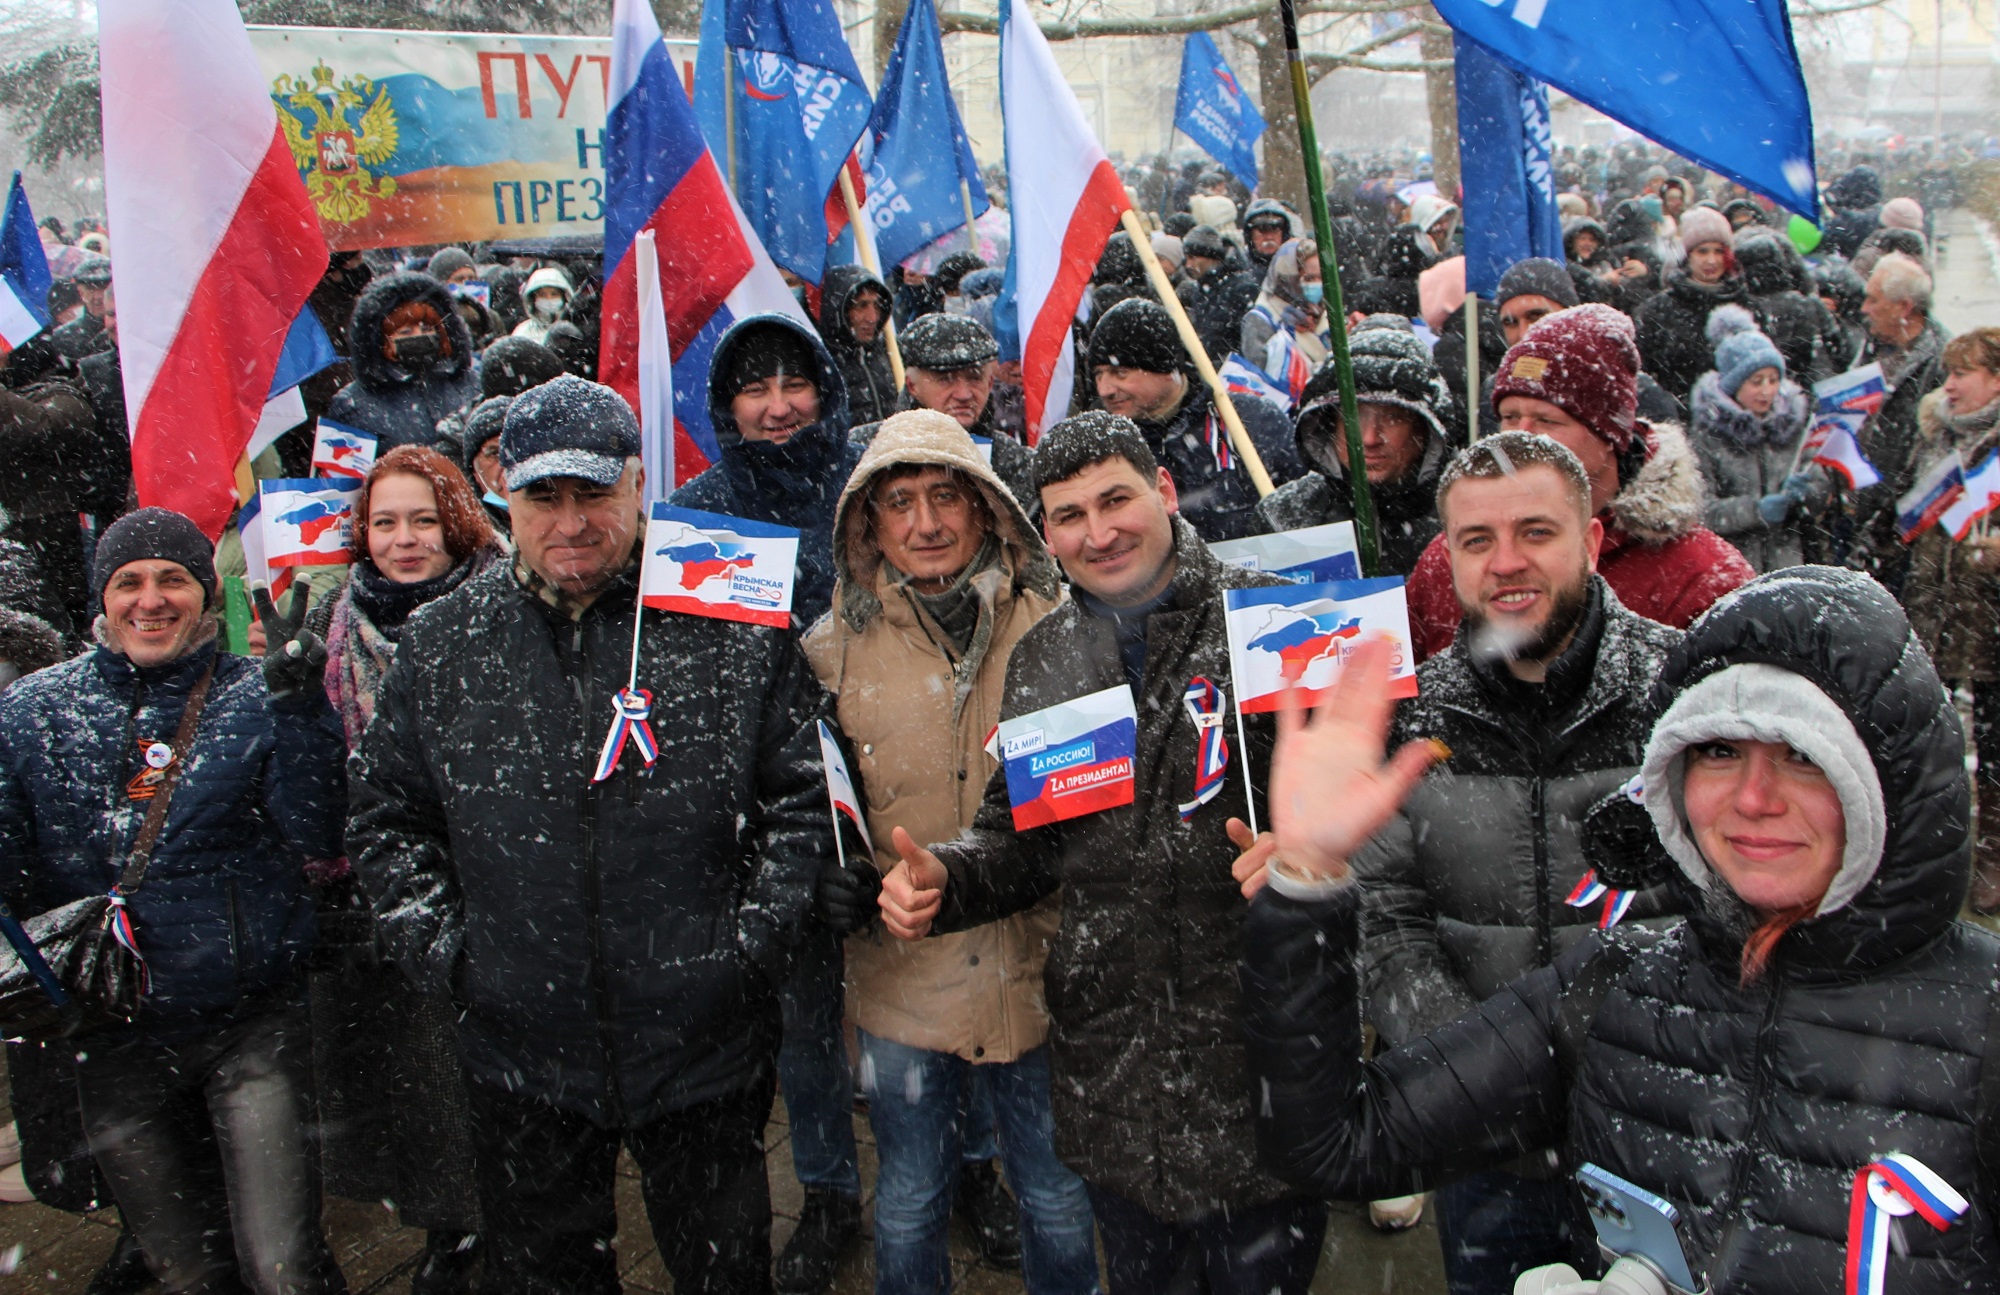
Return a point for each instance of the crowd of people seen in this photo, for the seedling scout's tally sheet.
(401, 945)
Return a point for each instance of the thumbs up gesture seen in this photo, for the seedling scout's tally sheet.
(913, 890)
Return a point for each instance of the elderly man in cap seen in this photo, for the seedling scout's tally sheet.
(613, 937)
(949, 365)
(1142, 372)
(86, 334)
(191, 781)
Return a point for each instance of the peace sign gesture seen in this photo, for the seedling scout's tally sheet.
(294, 657)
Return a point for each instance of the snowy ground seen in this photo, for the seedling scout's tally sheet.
(59, 1252)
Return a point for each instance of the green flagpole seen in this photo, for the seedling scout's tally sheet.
(1336, 301)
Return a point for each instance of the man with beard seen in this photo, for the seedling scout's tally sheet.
(1574, 377)
(1542, 699)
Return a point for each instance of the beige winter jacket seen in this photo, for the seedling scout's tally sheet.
(918, 726)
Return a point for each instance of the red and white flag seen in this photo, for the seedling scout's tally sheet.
(218, 243)
(1065, 198)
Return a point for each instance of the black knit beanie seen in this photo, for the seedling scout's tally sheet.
(766, 351)
(1538, 276)
(1138, 334)
(153, 533)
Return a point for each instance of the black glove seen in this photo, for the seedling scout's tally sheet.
(294, 657)
(846, 895)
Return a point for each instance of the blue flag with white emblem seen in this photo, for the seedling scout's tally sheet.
(920, 152)
(1505, 164)
(1717, 81)
(800, 106)
(1212, 110)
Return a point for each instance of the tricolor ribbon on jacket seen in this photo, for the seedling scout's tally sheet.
(1589, 890)
(120, 918)
(1205, 707)
(1886, 1189)
(632, 706)
(1218, 443)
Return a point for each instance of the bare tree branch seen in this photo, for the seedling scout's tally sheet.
(1170, 25)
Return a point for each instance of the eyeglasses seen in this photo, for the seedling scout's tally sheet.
(902, 501)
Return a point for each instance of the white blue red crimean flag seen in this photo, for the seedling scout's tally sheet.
(342, 451)
(840, 789)
(1301, 635)
(1982, 496)
(307, 520)
(1886, 1189)
(1937, 491)
(707, 564)
(1309, 555)
(631, 720)
(1243, 378)
(1070, 759)
(1205, 707)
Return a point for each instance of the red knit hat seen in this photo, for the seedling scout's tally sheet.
(1585, 361)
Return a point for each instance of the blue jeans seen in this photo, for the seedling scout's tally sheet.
(1495, 1225)
(914, 1107)
(813, 1072)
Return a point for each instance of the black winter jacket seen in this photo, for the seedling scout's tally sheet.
(50, 456)
(796, 484)
(223, 916)
(1463, 891)
(1405, 511)
(1216, 303)
(614, 948)
(1801, 326)
(399, 406)
(1145, 1021)
(1750, 1109)
(871, 383)
(1221, 503)
(1889, 441)
(1673, 329)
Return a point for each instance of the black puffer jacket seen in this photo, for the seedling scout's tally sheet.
(1221, 502)
(871, 383)
(1146, 1043)
(1750, 1109)
(400, 406)
(1672, 329)
(49, 457)
(1464, 890)
(614, 948)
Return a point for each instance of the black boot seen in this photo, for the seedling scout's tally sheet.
(125, 1272)
(445, 1267)
(829, 1223)
(988, 1208)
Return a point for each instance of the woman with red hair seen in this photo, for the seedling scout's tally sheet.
(392, 1102)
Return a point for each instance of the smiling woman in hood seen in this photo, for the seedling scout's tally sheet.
(1822, 1006)
(796, 482)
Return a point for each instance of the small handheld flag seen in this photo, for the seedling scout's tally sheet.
(1941, 486)
(1857, 391)
(840, 790)
(1301, 635)
(1886, 1189)
(1309, 555)
(342, 451)
(1982, 495)
(307, 521)
(1246, 379)
(1833, 444)
(1070, 759)
(706, 564)
(24, 272)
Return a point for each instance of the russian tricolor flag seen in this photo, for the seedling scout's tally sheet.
(1065, 199)
(218, 244)
(24, 272)
(660, 176)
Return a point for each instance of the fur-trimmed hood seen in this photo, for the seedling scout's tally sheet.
(376, 371)
(1663, 500)
(922, 436)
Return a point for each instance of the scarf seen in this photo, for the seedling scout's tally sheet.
(1965, 428)
(360, 649)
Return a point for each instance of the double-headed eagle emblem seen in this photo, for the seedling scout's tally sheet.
(335, 155)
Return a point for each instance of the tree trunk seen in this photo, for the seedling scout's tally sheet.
(1441, 91)
(1282, 174)
(888, 22)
